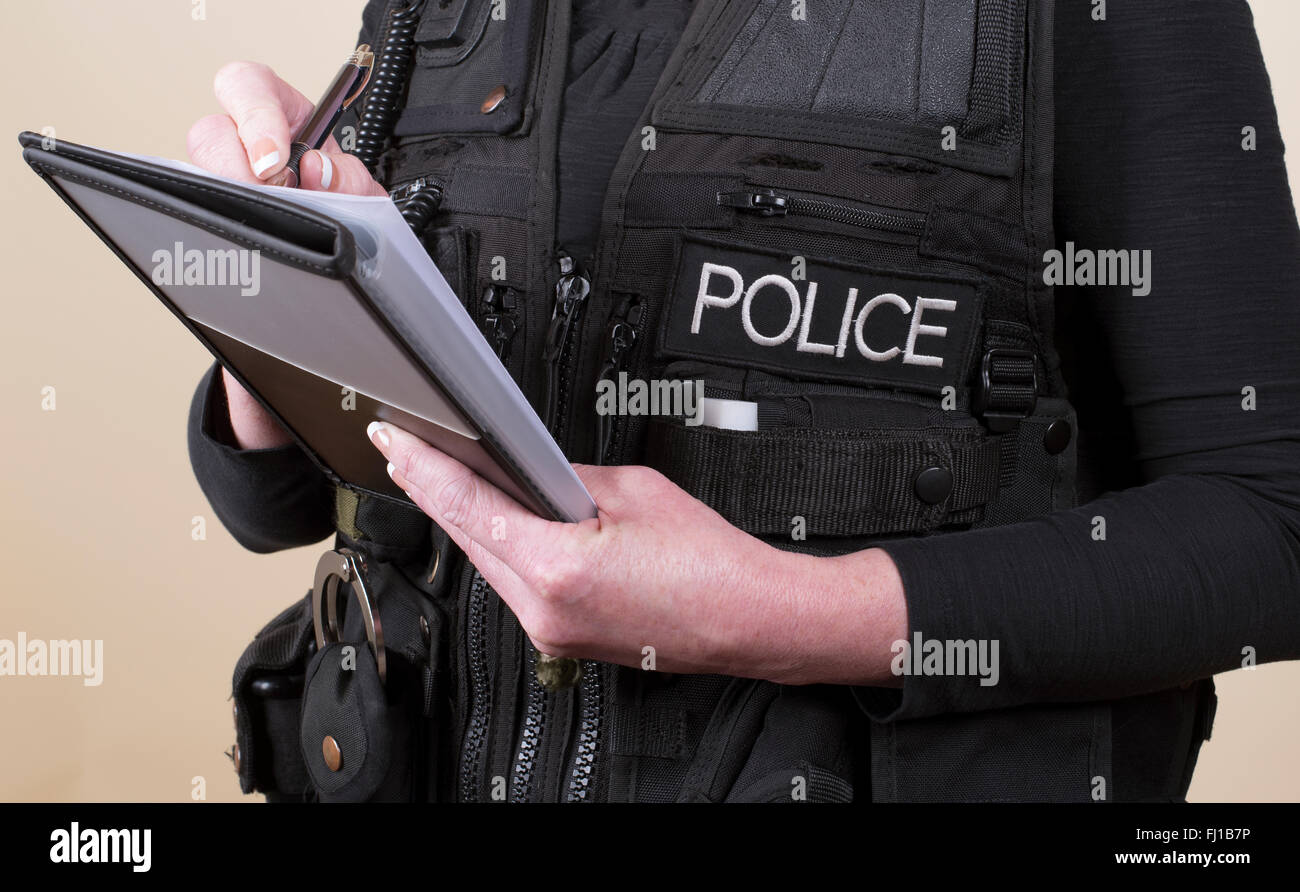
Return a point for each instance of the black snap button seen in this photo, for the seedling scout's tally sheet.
(933, 485)
(1057, 437)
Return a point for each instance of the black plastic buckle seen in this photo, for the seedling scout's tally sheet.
(1008, 388)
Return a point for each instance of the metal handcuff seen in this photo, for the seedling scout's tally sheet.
(334, 567)
(346, 565)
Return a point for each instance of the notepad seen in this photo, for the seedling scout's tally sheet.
(327, 308)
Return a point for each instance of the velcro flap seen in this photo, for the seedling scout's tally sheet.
(840, 482)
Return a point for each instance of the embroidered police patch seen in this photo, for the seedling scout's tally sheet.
(751, 307)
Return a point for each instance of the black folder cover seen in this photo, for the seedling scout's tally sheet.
(319, 328)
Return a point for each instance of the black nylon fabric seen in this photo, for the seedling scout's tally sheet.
(975, 196)
(266, 734)
(388, 531)
(457, 68)
(679, 170)
(345, 702)
(849, 484)
(710, 738)
(805, 751)
(998, 69)
(654, 733)
(618, 50)
(480, 231)
(1039, 754)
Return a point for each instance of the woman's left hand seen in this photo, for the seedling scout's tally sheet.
(659, 580)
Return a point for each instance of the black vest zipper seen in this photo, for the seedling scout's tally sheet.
(559, 354)
(530, 734)
(571, 292)
(583, 771)
(620, 338)
(418, 201)
(593, 710)
(480, 688)
(770, 203)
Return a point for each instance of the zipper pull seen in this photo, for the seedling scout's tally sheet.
(400, 194)
(571, 292)
(770, 203)
(500, 318)
(620, 338)
(764, 202)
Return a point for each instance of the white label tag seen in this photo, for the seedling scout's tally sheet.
(732, 415)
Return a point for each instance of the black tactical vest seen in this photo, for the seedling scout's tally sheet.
(837, 212)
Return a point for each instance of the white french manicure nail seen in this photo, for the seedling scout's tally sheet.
(391, 469)
(326, 171)
(376, 429)
(265, 163)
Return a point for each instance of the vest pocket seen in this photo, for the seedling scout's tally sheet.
(267, 692)
(473, 69)
(1049, 753)
(453, 251)
(888, 75)
(806, 751)
(363, 736)
(773, 743)
(788, 459)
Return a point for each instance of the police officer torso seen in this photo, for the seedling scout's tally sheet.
(834, 212)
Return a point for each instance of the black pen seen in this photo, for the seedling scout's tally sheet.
(344, 90)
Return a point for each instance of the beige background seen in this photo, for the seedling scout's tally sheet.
(98, 496)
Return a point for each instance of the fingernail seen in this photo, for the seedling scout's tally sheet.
(391, 469)
(326, 171)
(378, 432)
(266, 154)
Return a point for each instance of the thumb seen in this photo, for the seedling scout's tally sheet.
(326, 171)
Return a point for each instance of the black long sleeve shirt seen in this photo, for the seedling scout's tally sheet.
(1200, 495)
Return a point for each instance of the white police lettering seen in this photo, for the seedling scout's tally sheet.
(806, 346)
(746, 310)
(877, 355)
(797, 311)
(910, 356)
(712, 300)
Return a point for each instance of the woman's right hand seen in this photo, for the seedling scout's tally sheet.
(250, 143)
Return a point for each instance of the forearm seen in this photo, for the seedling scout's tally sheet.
(268, 498)
(252, 425)
(1195, 574)
(828, 620)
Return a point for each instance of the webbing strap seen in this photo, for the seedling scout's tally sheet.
(345, 512)
(1006, 396)
(842, 482)
(660, 733)
(385, 529)
(1009, 384)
